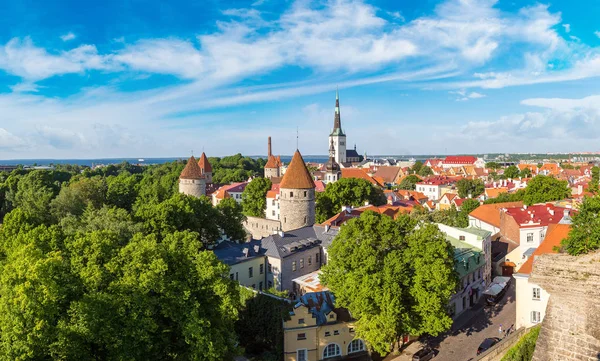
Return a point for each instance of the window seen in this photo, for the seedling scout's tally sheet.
(317, 258)
(260, 286)
(336, 332)
(356, 346)
(273, 212)
(301, 355)
(291, 194)
(305, 193)
(294, 266)
(270, 268)
(536, 293)
(331, 316)
(300, 321)
(304, 219)
(301, 262)
(327, 334)
(250, 272)
(332, 350)
(236, 276)
(461, 238)
(231, 276)
(301, 336)
(535, 317)
(261, 269)
(273, 202)
(351, 330)
(309, 260)
(529, 237)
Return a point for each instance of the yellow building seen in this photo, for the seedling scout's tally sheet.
(319, 331)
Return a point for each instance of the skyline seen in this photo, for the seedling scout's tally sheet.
(82, 81)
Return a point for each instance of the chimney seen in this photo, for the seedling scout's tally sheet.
(326, 228)
(551, 211)
(566, 213)
(269, 150)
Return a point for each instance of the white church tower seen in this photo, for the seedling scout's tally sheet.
(337, 136)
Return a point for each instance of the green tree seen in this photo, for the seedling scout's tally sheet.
(511, 172)
(409, 182)
(584, 236)
(425, 171)
(394, 278)
(470, 187)
(468, 206)
(525, 173)
(346, 192)
(493, 165)
(35, 190)
(122, 190)
(417, 167)
(254, 201)
(231, 219)
(523, 350)
(74, 198)
(545, 189)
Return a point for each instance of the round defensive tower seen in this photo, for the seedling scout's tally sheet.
(191, 180)
(205, 168)
(297, 196)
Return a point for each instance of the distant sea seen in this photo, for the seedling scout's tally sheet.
(106, 161)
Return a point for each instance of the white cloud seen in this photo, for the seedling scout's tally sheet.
(597, 33)
(396, 15)
(68, 36)
(25, 88)
(567, 28)
(464, 95)
(9, 141)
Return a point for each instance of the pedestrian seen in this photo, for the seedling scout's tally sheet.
(500, 331)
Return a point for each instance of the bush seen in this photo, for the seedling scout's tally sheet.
(523, 350)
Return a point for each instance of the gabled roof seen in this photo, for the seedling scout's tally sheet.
(359, 173)
(292, 242)
(224, 191)
(495, 192)
(537, 215)
(297, 175)
(388, 174)
(273, 162)
(204, 164)
(191, 170)
(554, 236)
(231, 253)
(490, 213)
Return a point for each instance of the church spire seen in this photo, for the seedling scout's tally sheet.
(337, 122)
(331, 150)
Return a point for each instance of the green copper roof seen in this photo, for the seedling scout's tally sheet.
(338, 131)
(480, 233)
(467, 257)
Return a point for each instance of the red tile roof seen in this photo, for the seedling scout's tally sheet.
(297, 175)
(438, 180)
(191, 170)
(204, 164)
(490, 213)
(319, 186)
(537, 215)
(460, 159)
(273, 162)
(554, 236)
(359, 173)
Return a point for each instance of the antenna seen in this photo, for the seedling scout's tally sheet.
(192, 152)
(296, 137)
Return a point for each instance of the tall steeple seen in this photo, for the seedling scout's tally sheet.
(337, 121)
(337, 136)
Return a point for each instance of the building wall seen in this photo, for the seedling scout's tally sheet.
(509, 227)
(302, 267)
(478, 223)
(339, 144)
(526, 303)
(274, 275)
(468, 284)
(332, 177)
(208, 176)
(273, 208)
(297, 208)
(192, 187)
(431, 191)
(261, 227)
(240, 272)
(272, 172)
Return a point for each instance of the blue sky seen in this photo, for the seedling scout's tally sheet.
(89, 79)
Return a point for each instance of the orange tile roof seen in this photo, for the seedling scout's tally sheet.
(359, 173)
(273, 162)
(297, 175)
(554, 236)
(490, 213)
(204, 164)
(495, 192)
(387, 173)
(191, 170)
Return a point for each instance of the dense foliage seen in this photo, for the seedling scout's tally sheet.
(450, 217)
(111, 264)
(539, 189)
(346, 192)
(584, 236)
(254, 200)
(511, 172)
(409, 182)
(468, 188)
(235, 168)
(394, 278)
(593, 186)
(523, 350)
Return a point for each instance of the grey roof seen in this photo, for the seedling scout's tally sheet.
(529, 252)
(352, 153)
(326, 236)
(231, 253)
(291, 242)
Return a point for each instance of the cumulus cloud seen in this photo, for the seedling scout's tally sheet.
(567, 28)
(9, 141)
(68, 36)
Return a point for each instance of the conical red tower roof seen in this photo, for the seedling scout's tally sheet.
(191, 170)
(297, 175)
(204, 163)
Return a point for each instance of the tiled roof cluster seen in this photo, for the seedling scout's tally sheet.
(460, 159)
(537, 215)
(490, 213)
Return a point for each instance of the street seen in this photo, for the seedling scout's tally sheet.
(469, 330)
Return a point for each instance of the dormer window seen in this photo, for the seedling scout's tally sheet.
(331, 316)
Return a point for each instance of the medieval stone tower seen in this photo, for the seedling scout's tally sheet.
(191, 180)
(273, 166)
(337, 136)
(297, 196)
(333, 172)
(205, 168)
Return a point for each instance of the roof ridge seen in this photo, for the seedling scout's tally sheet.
(297, 175)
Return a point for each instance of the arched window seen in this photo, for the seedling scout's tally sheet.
(332, 350)
(356, 346)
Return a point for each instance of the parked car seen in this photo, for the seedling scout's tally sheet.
(424, 354)
(487, 344)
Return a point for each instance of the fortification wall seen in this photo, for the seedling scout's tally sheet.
(571, 328)
(297, 208)
(192, 187)
(261, 227)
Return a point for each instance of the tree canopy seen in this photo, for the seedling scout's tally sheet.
(346, 192)
(511, 172)
(425, 171)
(584, 236)
(409, 182)
(470, 188)
(254, 202)
(394, 278)
(493, 165)
(545, 189)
